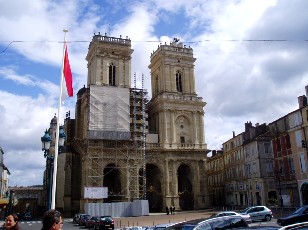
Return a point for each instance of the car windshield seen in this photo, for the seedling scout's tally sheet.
(182, 227)
(244, 210)
(302, 209)
(106, 218)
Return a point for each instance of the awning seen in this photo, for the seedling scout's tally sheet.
(4, 201)
(304, 186)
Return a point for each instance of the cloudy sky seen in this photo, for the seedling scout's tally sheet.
(251, 61)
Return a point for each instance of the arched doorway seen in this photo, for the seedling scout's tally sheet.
(112, 180)
(185, 188)
(304, 191)
(153, 188)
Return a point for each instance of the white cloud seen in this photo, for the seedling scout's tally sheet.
(240, 80)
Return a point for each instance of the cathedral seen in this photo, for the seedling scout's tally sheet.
(136, 147)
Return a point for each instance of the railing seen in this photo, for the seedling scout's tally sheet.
(111, 39)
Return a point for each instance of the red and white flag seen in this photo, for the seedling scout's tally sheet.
(68, 74)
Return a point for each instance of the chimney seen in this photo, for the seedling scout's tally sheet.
(233, 133)
(302, 101)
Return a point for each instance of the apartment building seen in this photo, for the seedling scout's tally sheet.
(247, 168)
(258, 155)
(290, 158)
(216, 179)
(302, 177)
(233, 153)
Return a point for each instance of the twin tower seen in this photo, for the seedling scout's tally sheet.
(138, 148)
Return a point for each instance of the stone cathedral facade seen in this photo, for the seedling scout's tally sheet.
(136, 148)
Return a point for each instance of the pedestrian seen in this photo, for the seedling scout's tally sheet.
(173, 210)
(170, 210)
(11, 222)
(167, 210)
(52, 220)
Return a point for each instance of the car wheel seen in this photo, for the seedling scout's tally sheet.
(268, 218)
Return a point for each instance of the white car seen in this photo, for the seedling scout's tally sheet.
(246, 217)
(258, 213)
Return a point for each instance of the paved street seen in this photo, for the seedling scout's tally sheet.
(152, 219)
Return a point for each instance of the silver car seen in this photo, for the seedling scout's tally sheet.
(258, 213)
(246, 217)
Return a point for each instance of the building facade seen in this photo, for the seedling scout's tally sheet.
(259, 169)
(302, 176)
(138, 150)
(248, 167)
(28, 199)
(215, 171)
(285, 160)
(234, 160)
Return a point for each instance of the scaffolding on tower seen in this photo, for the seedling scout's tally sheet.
(138, 133)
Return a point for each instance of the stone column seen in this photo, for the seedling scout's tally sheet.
(167, 177)
(195, 128)
(197, 185)
(166, 126)
(161, 127)
(120, 81)
(201, 128)
(175, 186)
(172, 127)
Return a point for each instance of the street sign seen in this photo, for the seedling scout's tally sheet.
(95, 192)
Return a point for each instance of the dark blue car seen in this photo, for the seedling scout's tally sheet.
(300, 215)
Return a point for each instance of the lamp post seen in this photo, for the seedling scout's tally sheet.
(46, 141)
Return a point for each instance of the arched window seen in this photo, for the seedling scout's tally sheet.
(178, 78)
(112, 74)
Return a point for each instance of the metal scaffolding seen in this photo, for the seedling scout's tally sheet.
(127, 155)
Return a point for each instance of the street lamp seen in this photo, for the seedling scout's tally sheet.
(46, 141)
(62, 137)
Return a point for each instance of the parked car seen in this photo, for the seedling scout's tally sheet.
(223, 222)
(258, 213)
(303, 225)
(297, 226)
(83, 218)
(91, 222)
(104, 222)
(76, 217)
(27, 216)
(300, 215)
(162, 226)
(246, 217)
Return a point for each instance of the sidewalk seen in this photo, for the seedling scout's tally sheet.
(159, 218)
(163, 218)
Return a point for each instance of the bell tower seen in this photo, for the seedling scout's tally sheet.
(175, 111)
(109, 61)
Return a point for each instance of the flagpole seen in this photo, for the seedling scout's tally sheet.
(55, 168)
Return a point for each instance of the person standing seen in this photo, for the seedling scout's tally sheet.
(52, 220)
(11, 222)
(167, 210)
